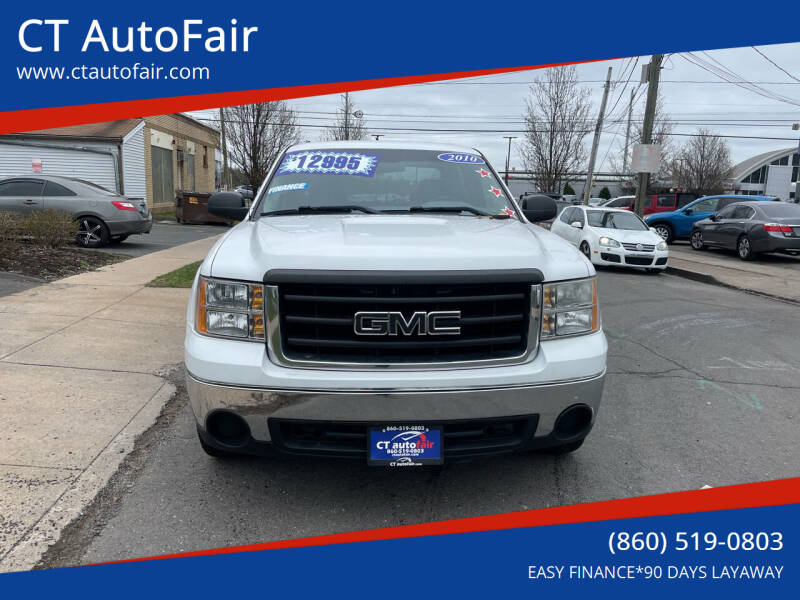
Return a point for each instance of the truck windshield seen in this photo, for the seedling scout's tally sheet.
(385, 181)
(615, 220)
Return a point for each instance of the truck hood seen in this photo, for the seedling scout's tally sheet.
(391, 243)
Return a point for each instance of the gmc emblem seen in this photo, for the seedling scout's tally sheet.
(437, 322)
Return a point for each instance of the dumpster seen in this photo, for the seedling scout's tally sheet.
(192, 207)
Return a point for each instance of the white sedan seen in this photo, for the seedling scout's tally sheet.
(611, 236)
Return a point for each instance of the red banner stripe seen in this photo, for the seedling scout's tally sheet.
(61, 116)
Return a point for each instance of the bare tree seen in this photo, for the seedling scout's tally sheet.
(347, 126)
(662, 134)
(704, 164)
(556, 121)
(257, 134)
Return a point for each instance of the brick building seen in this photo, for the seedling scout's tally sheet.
(149, 157)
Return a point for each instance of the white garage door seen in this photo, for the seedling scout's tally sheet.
(68, 162)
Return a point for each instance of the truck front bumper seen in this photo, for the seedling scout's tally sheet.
(478, 421)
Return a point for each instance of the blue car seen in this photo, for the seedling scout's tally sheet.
(677, 224)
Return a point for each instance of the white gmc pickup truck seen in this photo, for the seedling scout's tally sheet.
(391, 303)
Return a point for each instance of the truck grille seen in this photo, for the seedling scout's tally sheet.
(317, 321)
(349, 439)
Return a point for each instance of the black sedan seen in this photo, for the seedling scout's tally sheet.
(751, 228)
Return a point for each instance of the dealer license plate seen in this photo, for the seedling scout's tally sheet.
(405, 446)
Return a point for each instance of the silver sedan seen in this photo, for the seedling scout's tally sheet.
(103, 216)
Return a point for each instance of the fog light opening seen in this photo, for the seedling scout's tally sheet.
(228, 429)
(573, 422)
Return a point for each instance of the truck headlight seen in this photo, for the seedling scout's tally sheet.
(609, 242)
(661, 246)
(570, 308)
(230, 309)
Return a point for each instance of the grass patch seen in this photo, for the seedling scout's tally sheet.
(179, 278)
(164, 214)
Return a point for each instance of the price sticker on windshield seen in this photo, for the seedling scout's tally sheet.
(329, 163)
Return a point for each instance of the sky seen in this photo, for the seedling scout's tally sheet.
(692, 96)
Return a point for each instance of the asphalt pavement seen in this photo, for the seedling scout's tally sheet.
(165, 234)
(11, 283)
(701, 390)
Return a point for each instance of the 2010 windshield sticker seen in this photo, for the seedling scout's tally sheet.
(329, 163)
(461, 157)
(287, 187)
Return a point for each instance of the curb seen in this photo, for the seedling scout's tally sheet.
(71, 504)
(710, 279)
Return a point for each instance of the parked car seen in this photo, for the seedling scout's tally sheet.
(677, 224)
(596, 201)
(363, 310)
(245, 191)
(612, 236)
(751, 228)
(654, 203)
(625, 202)
(103, 216)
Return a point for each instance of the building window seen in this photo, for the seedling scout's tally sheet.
(189, 162)
(185, 171)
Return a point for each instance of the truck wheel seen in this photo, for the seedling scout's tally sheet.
(665, 231)
(566, 448)
(215, 452)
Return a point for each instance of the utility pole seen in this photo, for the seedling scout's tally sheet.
(347, 115)
(628, 133)
(643, 179)
(225, 182)
(587, 189)
(508, 156)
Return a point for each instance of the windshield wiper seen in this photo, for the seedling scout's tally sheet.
(345, 208)
(452, 209)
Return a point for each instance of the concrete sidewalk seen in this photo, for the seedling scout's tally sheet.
(777, 276)
(79, 380)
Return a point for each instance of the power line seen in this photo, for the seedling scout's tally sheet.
(698, 81)
(776, 65)
(496, 131)
(734, 78)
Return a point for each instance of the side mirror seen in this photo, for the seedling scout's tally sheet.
(654, 230)
(228, 205)
(687, 211)
(539, 208)
(576, 225)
